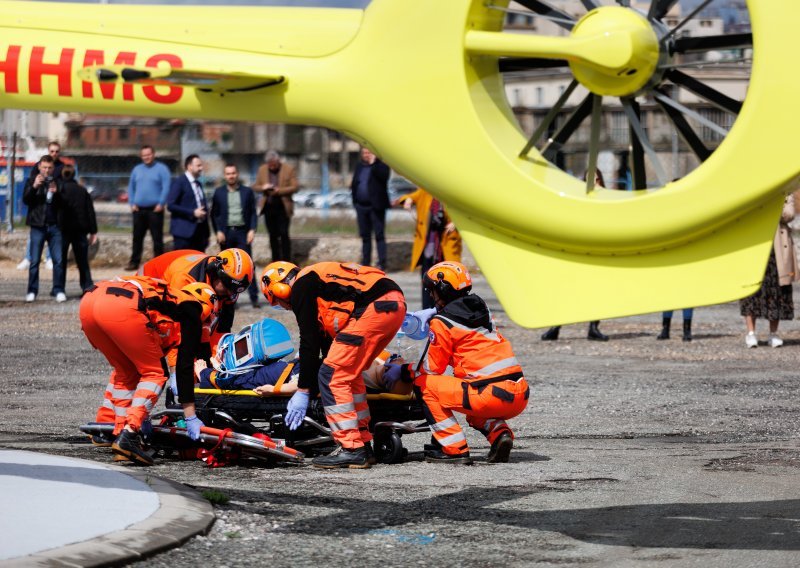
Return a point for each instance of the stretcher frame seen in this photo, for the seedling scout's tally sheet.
(393, 415)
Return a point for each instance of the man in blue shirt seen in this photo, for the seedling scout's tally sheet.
(147, 194)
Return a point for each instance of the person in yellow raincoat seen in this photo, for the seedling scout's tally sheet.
(435, 236)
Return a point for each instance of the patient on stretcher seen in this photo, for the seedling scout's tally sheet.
(278, 376)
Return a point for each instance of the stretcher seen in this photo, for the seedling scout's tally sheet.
(244, 411)
(216, 446)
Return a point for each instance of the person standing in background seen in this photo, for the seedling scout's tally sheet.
(773, 300)
(187, 204)
(54, 151)
(42, 195)
(370, 187)
(147, 194)
(593, 333)
(435, 236)
(277, 181)
(78, 226)
(234, 218)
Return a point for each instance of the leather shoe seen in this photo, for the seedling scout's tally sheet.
(341, 457)
(501, 448)
(551, 334)
(131, 266)
(438, 456)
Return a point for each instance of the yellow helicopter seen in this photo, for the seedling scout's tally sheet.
(420, 82)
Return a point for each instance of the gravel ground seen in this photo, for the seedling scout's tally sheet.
(634, 452)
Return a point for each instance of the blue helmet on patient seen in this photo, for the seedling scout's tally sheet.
(257, 344)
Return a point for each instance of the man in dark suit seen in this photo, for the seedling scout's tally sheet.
(187, 204)
(371, 200)
(234, 218)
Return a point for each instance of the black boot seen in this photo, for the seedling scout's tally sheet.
(551, 334)
(129, 445)
(501, 448)
(438, 456)
(594, 332)
(357, 458)
(687, 330)
(665, 324)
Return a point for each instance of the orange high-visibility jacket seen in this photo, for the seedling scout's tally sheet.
(464, 336)
(182, 267)
(324, 298)
(345, 288)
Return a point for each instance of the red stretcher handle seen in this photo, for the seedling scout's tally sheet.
(267, 443)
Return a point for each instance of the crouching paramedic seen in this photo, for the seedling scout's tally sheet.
(349, 313)
(488, 385)
(134, 321)
(229, 273)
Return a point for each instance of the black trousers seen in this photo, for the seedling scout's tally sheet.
(80, 248)
(143, 220)
(372, 220)
(198, 241)
(277, 222)
(237, 238)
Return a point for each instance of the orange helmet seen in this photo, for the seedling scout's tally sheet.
(449, 279)
(234, 268)
(273, 281)
(205, 295)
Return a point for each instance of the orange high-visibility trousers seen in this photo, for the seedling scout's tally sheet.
(487, 407)
(114, 324)
(341, 385)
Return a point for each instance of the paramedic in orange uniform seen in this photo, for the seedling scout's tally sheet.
(134, 321)
(349, 313)
(229, 273)
(488, 385)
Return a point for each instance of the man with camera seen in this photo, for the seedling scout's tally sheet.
(42, 195)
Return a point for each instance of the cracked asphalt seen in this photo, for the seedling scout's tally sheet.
(634, 452)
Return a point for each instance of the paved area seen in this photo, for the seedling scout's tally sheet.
(634, 452)
(60, 511)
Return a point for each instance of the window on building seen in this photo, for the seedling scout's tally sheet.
(518, 98)
(539, 96)
(620, 134)
(123, 134)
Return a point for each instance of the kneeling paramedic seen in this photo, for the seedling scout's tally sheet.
(488, 385)
(349, 313)
(134, 321)
(229, 273)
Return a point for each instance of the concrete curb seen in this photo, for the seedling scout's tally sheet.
(182, 514)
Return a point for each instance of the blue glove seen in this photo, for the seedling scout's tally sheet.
(391, 374)
(173, 383)
(425, 315)
(193, 425)
(296, 410)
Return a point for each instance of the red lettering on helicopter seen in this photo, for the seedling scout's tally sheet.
(174, 93)
(63, 70)
(8, 67)
(42, 64)
(98, 57)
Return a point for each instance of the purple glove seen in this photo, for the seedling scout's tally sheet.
(296, 410)
(391, 374)
(193, 425)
